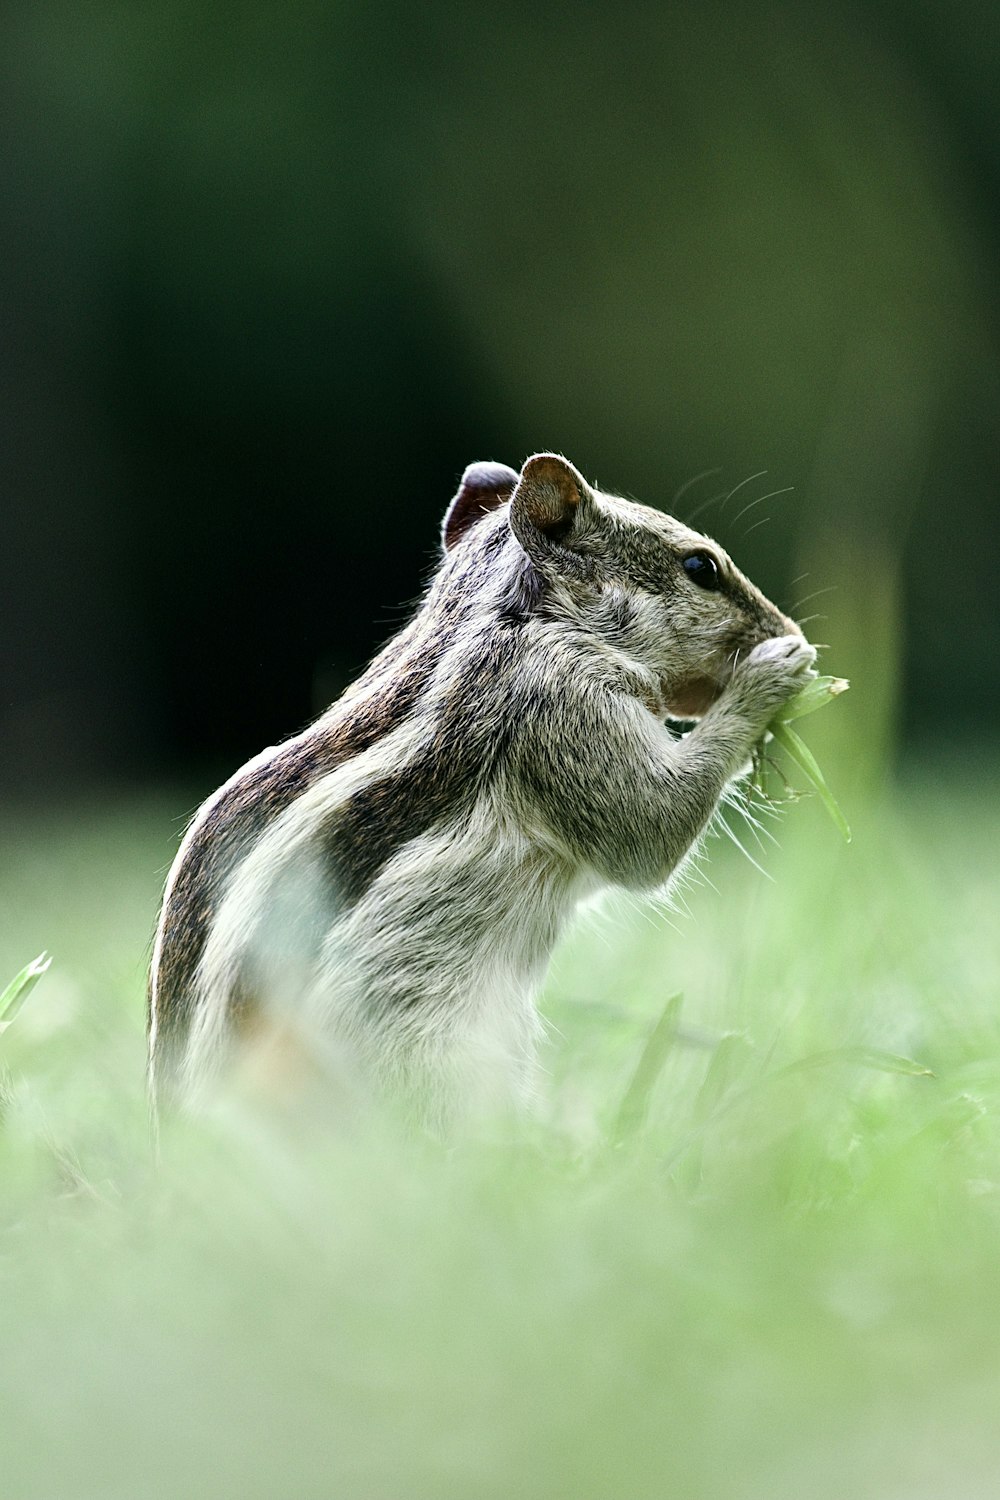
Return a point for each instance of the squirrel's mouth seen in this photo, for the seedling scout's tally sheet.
(694, 695)
(691, 699)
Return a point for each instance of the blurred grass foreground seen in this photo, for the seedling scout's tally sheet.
(780, 1279)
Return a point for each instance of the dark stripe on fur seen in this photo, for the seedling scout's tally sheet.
(444, 778)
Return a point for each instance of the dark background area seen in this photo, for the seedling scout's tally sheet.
(274, 274)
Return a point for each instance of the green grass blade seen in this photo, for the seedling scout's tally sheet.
(717, 1097)
(634, 1107)
(803, 757)
(719, 1086)
(729, 1057)
(862, 1057)
(20, 988)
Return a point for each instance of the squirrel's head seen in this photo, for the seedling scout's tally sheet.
(641, 583)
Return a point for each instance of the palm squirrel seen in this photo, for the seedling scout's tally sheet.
(391, 881)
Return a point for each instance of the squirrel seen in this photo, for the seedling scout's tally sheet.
(391, 881)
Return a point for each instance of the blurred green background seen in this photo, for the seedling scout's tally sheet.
(274, 274)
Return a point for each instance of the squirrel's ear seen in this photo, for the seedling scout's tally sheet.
(549, 504)
(484, 486)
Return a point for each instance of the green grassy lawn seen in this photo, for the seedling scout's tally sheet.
(785, 1282)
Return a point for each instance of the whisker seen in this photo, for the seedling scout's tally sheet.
(690, 483)
(814, 595)
(742, 485)
(762, 522)
(783, 603)
(704, 506)
(751, 503)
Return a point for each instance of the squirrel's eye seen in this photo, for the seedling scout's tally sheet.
(703, 570)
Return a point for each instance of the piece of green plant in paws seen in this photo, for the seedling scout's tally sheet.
(20, 988)
(803, 757)
(816, 694)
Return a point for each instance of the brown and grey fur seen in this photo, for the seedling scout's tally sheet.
(392, 880)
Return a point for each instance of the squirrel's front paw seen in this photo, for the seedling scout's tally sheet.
(769, 676)
(787, 654)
